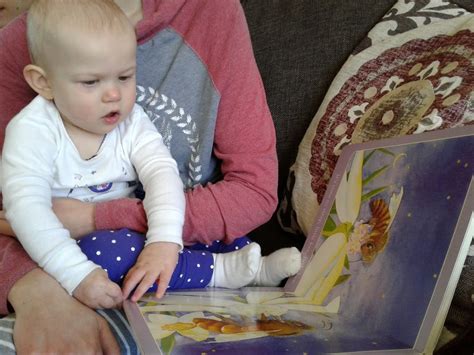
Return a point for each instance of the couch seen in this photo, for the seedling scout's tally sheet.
(300, 45)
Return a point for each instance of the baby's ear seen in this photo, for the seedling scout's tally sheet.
(37, 79)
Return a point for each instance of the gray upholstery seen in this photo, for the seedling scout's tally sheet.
(300, 45)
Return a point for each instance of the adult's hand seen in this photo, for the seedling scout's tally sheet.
(48, 320)
(75, 215)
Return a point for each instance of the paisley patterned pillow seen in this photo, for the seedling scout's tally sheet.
(413, 73)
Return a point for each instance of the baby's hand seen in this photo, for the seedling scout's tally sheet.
(155, 263)
(97, 291)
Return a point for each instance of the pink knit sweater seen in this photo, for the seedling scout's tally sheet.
(210, 40)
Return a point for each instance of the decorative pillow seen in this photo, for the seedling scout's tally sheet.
(413, 73)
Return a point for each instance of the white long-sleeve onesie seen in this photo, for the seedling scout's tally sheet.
(40, 162)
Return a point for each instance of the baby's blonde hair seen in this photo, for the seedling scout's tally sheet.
(47, 18)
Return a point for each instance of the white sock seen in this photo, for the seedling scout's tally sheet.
(236, 269)
(278, 266)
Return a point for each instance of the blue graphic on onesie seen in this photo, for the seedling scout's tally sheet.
(101, 187)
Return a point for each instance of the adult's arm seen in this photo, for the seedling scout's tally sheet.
(246, 196)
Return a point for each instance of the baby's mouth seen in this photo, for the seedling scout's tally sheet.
(112, 117)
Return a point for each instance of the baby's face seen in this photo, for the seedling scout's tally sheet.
(93, 79)
(9, 9)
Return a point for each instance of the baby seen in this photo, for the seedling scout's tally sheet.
(84, 137)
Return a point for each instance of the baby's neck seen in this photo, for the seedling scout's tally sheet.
(87, 144)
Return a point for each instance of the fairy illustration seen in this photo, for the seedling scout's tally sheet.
(349, 236)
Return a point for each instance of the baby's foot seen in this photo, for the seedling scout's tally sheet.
(236, 269)
(97, 291)
(278, 266)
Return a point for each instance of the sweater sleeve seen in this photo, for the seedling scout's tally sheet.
(244, 140)
(27, 177)
(121, 213)
(158, 172)
(14, 95)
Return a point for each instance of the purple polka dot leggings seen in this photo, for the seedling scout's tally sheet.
(116, 251)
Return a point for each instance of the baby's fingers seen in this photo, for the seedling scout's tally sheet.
(163, 282)
(132, 279)
(144, 285)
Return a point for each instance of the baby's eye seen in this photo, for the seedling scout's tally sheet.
(124, 78)
(89, 82)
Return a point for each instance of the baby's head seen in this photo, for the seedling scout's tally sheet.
(83, 59)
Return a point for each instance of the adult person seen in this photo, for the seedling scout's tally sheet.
(198, 81)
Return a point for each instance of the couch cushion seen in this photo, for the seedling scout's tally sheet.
(412, 73)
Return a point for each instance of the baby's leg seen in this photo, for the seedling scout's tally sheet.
(246, 266)
(239, 264)
(272, 269)
(242, 267)
(194, 270)
(116, 251)
(200, 268)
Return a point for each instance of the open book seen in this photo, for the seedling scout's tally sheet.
(379, 267)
